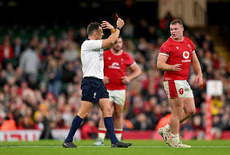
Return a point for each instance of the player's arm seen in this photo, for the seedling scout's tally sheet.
(162, 65)
(114, 32)
(135, 72)
(197, 69)
(105, 80)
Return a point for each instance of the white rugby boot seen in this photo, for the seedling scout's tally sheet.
(179, 144)
(165, 134)
(99, 142)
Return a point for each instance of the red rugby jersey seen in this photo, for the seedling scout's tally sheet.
(115, 67)
(178, 52)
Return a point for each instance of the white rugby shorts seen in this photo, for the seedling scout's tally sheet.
(178, 88)
(117, 96)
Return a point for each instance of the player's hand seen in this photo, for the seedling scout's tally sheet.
(106, 80)
(125, 79)
(106, 25)
(120, 22)
(199, 80)
(176, 67)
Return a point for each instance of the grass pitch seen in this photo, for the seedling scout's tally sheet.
(139, 147)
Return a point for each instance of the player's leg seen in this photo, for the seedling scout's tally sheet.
(101, 127)
(119, 102)
(108, 121)
(165, 130)
(85, 108)
(118, 120)
(101, 132)
(189, 103)
(188, 110)
(176, 108)
(176, 93)
(176, 105)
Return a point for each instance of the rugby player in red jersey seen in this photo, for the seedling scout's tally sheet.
(175, 57)
(116, 62)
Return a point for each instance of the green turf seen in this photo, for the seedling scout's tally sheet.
(139, 147)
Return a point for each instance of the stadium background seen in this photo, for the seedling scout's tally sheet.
(53, 28)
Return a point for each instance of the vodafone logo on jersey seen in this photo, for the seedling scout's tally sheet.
(186, 54)
(115, 65)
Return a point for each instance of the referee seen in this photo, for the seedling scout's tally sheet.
(93, 88)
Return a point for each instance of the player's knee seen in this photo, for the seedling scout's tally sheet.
(83, 115)
(107, 112)
(191, 112)
(118, 115)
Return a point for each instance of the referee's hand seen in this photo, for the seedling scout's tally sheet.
(120, 23)
(106, 25)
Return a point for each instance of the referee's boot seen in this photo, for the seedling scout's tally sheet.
(69, 145)
(121, 145)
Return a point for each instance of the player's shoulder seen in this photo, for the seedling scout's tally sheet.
(187, 39)
(86, 43)
(167, 43)
(90, 42)
(106, 52)
(126, 54)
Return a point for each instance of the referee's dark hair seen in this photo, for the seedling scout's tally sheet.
(92, 27)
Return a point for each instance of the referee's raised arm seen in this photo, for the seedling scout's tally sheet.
(114, 32)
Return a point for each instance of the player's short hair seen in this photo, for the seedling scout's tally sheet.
(92, 27)
(175, 21)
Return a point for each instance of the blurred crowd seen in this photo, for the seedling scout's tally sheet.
(40, 82)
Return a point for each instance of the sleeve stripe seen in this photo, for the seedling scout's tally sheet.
(164, 54)
(132, 64)
(193, 51)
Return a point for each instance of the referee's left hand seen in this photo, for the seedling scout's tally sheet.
(106, 25)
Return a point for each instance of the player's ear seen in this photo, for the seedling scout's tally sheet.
(95, 33)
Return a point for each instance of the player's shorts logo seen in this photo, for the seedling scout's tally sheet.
(181, 91)
(186, 54)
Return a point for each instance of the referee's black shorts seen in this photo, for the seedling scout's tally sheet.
(93, 89)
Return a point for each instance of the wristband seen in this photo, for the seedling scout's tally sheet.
(113, 30)
(118, 28)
